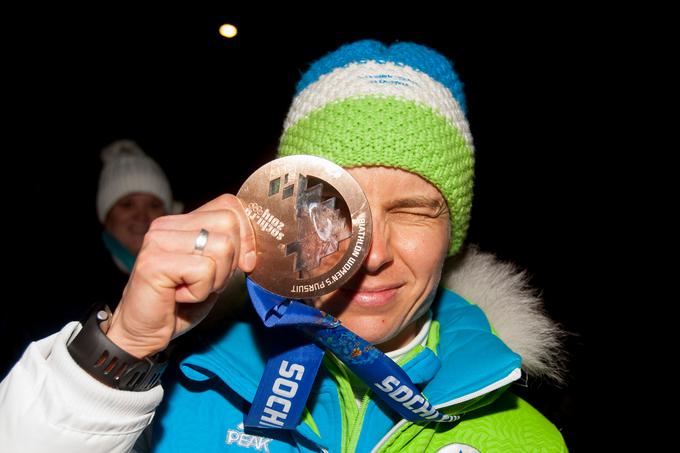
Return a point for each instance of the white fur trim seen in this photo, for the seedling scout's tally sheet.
(381, 79)
(513, 308)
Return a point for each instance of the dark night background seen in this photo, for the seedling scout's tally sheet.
(210, 111)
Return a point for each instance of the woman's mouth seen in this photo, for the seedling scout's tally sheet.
(371, 297)
(138, 228)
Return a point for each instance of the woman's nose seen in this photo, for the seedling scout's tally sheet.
(380, 253)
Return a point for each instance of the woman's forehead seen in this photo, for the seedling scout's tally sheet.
(396, 183)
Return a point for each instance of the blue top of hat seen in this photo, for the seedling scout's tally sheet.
(410, 54)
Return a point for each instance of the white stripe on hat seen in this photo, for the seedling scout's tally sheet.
(386, 79)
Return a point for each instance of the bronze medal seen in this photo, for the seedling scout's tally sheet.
(312, 225)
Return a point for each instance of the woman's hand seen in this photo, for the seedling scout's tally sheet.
(173, 285)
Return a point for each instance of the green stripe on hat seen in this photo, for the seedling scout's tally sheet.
(378, 131)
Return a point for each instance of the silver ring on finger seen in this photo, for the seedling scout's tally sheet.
(201, 241)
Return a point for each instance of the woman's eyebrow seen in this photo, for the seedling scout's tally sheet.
(416, 202)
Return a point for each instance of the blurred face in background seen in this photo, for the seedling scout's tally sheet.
(130, 217)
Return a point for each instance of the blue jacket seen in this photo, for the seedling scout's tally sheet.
(464, 367)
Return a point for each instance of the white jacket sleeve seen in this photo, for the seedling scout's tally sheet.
(48, 403)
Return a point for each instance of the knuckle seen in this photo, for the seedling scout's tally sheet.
(229, 248)
(208, 267)
(145, 263)
(158, 223)
(227, 220)
(152, 238)
(166, 222)
(230, 254)
(223, 245)
(226, 200)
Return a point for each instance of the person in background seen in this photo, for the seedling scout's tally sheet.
(133, 191)
(459, 323)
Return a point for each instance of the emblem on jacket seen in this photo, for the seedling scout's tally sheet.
(457, 448)
(243, 440)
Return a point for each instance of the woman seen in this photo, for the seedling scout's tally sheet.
(133, 191)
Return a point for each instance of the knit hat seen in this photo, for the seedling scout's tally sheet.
(402, 106)
(127, 170)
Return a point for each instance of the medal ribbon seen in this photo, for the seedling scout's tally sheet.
(288, 376)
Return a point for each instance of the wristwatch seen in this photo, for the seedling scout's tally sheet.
(109, 364)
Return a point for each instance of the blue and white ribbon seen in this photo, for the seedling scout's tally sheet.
(288, 376)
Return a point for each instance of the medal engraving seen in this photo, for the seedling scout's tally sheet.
(312, 225)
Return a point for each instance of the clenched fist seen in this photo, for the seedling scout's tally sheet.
(175, 281)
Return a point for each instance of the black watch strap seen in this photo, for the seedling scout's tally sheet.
(105, 361)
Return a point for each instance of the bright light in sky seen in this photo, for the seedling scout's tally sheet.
(228, 31)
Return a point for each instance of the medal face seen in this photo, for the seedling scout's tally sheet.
(312, 225)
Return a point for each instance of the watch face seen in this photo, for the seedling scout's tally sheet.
(312, 225)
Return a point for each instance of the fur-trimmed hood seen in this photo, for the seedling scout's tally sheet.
(513, 307)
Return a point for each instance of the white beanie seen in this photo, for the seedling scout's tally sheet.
(128, 170)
